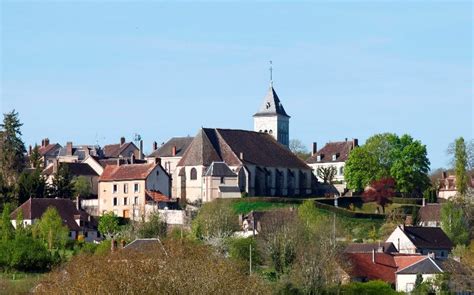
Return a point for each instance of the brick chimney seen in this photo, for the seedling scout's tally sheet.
(46, 141)
(155, 146)
(42, 142)
(355, 142)
(158, 161)
(132, 159)
(315, 148)
(30, 149)
(173, 151)
(122, 141)
(140, 151)
(69, 148)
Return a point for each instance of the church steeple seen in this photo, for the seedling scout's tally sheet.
(272, 118)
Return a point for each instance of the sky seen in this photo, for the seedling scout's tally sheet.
(90, 72)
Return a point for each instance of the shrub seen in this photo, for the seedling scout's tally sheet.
(24, 254)
(239, 250)
(369, 288)
(103, 248)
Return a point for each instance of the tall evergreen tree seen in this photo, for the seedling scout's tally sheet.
(62, 186)
(460, 165)
(30, 185)
(12, 148)
(35, 158)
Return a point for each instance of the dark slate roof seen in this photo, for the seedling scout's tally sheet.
(229, 189)
(340, 148)
(227, 145)
(82, 151)
(425, 266)
(430, 212)
(428, 237)
(115, 150)
(76, 169)
(368, 247)
(219, 169)
(271, 105)
(111, 161)
(166, 150)
(143, 244)
(34, 209)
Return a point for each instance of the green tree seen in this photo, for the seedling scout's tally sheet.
(216, 220)
(35, 159)
(51, 229)
(153, 228)
(82, 186)
(62, 186)
(20, 226)
(109, 227)
(7, 229)
(30, 185)
(419, 280)
(12, 148)
(460, 165)
(453, 223)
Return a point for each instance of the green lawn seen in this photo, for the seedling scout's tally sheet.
(18, 283)
(244, 206)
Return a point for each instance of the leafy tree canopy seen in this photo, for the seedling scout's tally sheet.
(52, 230)
(109, 225)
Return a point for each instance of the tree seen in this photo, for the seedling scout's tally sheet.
(387, 155)
(12, 148)
(153, 228)
(7, 229)
(326, 173)
(109, 226)
(35, 159)
(380, 191)
(469, 144)
(51, 229)
(460, 165)
(62, 186)
(419, 280)
(30, 185)
(299, 149)
(215, 222)
(453, 223)
(82, 186)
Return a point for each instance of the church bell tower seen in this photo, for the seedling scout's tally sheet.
(272, 117)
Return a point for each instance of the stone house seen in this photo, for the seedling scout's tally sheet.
(125, 189)
(76, 170)
(48, 151)
(263, 166)
(123, 149)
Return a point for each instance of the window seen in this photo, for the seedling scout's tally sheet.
(157, 172)
(193, 174)
(86, 234)
(136, 201)
(115, 188)
(115, 202)
(222, 180)
(125, 201)
(341, 171)
(334, 157)
(136, 187)
(125, 188)
(318, 158)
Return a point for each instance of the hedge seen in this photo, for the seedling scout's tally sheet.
(409, 201)
(348, 213)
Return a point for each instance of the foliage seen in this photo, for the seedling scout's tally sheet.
(246, 206)
(180, 267)
(460, 166)
(299, 149)
(453, 223)
(153, 228)
(469, 148)
(103, 248)
(81, 186)
(30, 185)
(387, 155)
(24, 253)
(239, 250)
(35, 158)
(369, 288)
(380, 191)
(12, 148)
(51, 229)
(109, 225)
(62, 185)
(7, 230)
(326, 173)
(216, 220)
(419, 280)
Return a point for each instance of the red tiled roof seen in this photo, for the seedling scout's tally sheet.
(127, 172)
(339, 148)
(156, 196)
(115, 150)
(43, 150)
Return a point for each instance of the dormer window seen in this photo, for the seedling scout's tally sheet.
(334, 157)
(318, 158)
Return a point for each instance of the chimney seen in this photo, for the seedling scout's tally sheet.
(173, 151)
(69, 148)
(30, 149)
(140, 155)
(46, 141)
(355, 142)
(241, 156)
(132, 159)
(315, 148)
(155, 146)
(122, 141)
(373, 256)
(158, 161)
(118, 162)
(443, 175)
(42, 142)
(346, 139)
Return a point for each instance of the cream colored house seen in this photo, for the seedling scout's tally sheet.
(263, 166)
(126, 189)
(406, 277)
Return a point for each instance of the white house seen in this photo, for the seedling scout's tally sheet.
(406, 277)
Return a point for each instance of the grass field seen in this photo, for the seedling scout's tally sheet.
(18, 283)
(244, 206)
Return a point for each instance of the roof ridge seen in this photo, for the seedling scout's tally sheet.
(418, 261)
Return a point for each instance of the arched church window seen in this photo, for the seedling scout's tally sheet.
(193, 174)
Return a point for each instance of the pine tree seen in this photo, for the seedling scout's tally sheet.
(460, 158)
(35, 158)
(12, 148)
(62, 186)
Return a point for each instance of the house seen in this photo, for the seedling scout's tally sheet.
(447, 186)
(430, 215)
(263, 166)
(48, 151)
(406, 276)
(257, 222)
(423, 240)
(369, 247)
(125, 189)
(333, 154)
(123, 149)
(77, 221)
(78, 153)
(220, 182)
(170, 154)
(75, 169)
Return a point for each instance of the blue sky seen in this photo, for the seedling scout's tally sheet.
(91, 71)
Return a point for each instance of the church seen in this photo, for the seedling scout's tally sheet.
(229, 163)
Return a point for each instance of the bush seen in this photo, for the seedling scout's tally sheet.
(348, 213)
(89, 248)
(369, 288)
(103, 248)
(239, 250)
(24, 254)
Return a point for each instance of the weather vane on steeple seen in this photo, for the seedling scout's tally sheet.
(271, 73)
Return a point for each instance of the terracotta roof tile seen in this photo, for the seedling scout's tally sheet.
(340, 148)
(127, 172)
(115, 150)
